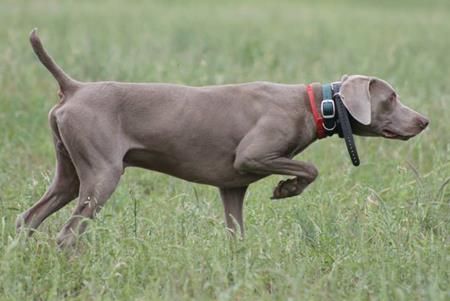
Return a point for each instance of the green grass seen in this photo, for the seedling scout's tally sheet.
(377, 232)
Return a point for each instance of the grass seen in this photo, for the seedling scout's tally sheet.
(377, 232)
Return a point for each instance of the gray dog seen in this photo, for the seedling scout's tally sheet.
(227, 136)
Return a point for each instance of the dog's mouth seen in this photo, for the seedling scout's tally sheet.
(387, 133)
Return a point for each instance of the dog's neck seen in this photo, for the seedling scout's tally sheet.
(306, 121)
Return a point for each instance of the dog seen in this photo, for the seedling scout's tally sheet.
(227, 136)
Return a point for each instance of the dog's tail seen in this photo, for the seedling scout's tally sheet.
(66, 83)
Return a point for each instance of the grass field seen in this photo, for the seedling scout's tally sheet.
(377, 232)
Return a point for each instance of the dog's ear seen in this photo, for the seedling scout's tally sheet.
(344, 78)
(355, 94)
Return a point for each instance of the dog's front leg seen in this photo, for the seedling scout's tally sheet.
(233, 202)
(305, 173)
(263, 152)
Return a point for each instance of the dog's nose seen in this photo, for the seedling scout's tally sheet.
(423, 122)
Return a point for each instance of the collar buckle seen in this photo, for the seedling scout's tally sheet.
(328, 111)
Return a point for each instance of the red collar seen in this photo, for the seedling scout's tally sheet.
(320, 130)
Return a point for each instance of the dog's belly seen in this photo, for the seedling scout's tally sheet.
(210, 170)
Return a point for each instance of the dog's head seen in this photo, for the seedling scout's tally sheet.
(377, 110)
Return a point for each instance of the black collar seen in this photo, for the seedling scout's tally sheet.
(336, 118)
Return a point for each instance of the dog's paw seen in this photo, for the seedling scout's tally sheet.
(289, 188)
(24, 226)
(66, 241)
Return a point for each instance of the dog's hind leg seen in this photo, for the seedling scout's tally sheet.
(96, 186)
(63, 189)
(99, 164)
(233, 203)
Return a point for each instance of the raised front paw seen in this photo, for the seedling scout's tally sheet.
(290, 187)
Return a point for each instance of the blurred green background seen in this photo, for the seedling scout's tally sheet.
(376, 232)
